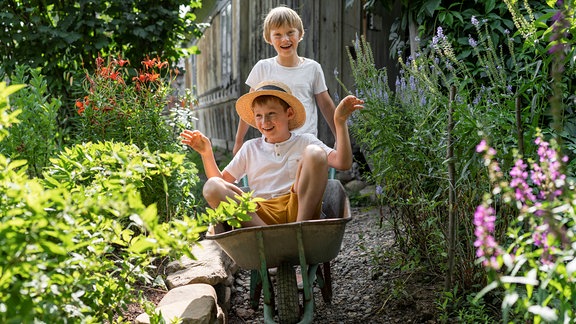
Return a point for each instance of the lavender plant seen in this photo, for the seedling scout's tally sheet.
(409, 125)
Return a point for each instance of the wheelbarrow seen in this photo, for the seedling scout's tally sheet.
(309, 244)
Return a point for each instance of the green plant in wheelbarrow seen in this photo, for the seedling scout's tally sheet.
(231, 212)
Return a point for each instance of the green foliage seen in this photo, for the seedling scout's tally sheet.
(453, 307)
(64, 254)
(502, 96)
(232, 211)
(7, 117)
(36, 138)
(80, 30)
(165, 179)
(124, 105)
(428, 15)
(74, 244)
(400, 127)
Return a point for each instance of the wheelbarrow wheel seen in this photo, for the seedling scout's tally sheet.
(288, 299)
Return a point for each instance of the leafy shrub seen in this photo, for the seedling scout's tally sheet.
(62, 36)
(141, 108)
(74, 244)
(36, 138)
(97, 166)
(64, 255)
(8, 117)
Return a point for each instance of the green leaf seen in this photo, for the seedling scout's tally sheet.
(52, 247)
(430, 6)
(6, 91)
(489, 5)
(142, 244)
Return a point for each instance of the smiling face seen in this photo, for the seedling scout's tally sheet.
(281, 17)
(285, 40)
(271, 116)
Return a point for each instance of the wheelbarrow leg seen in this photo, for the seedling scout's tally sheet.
(255, 289)
(324, 279)
(308, 275)
(266, 283)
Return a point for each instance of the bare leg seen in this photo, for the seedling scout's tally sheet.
(311, 180)
(217, 189)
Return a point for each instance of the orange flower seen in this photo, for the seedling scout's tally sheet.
(99, 61)
(121, 62)
(114, 75)
(153, 76)
(143, 77)
(160, 65)
(105, 71)
(148, 63)
(80, 106)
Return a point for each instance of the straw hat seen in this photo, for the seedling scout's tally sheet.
(272, 88)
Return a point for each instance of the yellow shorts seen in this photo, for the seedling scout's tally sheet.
(282, 209)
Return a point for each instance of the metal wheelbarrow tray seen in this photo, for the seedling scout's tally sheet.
(310, 244)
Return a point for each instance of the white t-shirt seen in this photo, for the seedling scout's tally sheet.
(271, 168)
(305, 81)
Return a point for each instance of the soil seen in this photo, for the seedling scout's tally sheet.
(367, 285)
(153, 295)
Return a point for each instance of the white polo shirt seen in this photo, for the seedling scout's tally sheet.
(271, 168)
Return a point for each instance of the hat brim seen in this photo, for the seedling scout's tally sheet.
(244, 107)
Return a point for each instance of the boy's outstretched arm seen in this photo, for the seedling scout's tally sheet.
(342, 158)
(201, 144)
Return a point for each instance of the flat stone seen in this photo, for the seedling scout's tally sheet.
(344, 176)
(369, 191)
(355, 185)
(212, 266)
(193, 304)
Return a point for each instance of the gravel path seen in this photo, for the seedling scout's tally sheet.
(357, 288)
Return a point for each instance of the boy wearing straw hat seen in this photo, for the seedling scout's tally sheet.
(288, 170)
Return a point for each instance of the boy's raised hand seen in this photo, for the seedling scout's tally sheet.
(346, 107)
(196, 140)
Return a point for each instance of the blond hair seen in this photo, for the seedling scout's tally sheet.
(280, 17)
